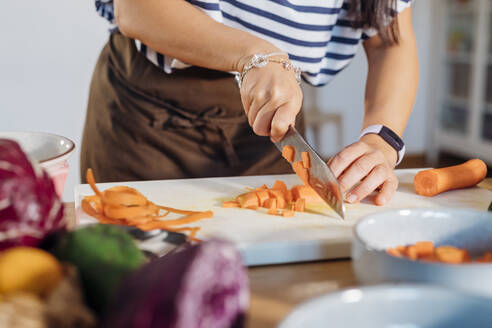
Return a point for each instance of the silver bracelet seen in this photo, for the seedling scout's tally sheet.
(261, 60)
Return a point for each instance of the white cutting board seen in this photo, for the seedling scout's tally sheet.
(266, 239)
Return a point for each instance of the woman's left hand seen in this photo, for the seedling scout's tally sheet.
(365, 166)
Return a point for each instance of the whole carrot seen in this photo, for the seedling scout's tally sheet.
(435, 181)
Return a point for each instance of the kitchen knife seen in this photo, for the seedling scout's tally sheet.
(321, 178)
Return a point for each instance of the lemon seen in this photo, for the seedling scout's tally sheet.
(30, 270)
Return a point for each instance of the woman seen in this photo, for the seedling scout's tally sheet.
(163, 103)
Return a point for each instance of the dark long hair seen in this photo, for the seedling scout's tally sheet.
(378, 14)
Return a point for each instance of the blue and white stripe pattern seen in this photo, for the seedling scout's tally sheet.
(316, 34)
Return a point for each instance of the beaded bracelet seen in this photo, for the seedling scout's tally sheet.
(261, 60)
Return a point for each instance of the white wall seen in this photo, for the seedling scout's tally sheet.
(47, 55)
(345, 94)
(49, 49)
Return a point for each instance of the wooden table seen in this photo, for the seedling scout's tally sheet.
(276, 289)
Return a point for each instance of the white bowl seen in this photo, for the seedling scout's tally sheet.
(468, 229)
(393, 306)
(49, 150)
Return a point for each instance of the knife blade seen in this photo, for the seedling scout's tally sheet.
(321, 178)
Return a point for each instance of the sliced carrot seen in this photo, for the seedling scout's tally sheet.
(307, 193)
(401, 249)
(280, 185)
(262, 187)
(425, 248)
(279, 196)
(301, 172)
(486, 258)
(450, 254)
(272, 211)
(230, 204)
(289, 153)
(434, 181)
(306, 159)
(412, 253)
(270, 203)
(429, 258)
(288, 213)
(394, 252)
(248, 199)
(288, 196)
(262, 195)
(300, 205)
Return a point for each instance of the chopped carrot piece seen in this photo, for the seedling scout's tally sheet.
(262, 195)
(306, 159)
(401, 249)
(310, 196)
(301, 172)
(394, 252)
(412, 252)
(425, 248)
(270, 203)
(252, 207)
(288, 196)
(450, 254)
(262, 187)
(272, 211)
(230, 204)
(288, 213)
(429, 258)
(300, 205)
(279, 196)
(280, 185)
(289, 153)
(248, 199)
(486, 258)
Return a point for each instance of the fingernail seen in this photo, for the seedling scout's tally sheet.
(351, 198)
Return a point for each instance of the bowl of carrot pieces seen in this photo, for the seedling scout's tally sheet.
(449, 247)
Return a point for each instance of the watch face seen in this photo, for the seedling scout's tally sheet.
(392, 138)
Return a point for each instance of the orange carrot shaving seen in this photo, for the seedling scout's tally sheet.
(306, 159)
(126, 206)
(230, 204)
(273, 211)
(434, 181)
(289, 153)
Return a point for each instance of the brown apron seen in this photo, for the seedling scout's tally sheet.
(144, 124)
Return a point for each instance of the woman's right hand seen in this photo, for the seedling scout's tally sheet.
(271, 98)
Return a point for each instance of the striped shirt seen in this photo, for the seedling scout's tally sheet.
(317, 35)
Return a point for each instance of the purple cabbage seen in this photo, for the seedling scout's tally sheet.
(203, 285)
(30, 209)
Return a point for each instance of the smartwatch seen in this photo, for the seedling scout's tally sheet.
(389, 136)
